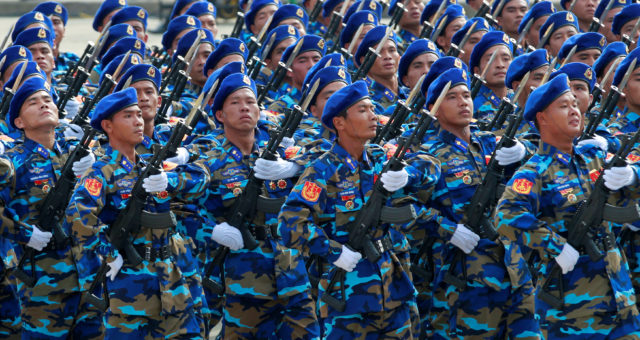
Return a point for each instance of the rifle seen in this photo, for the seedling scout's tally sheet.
(237, 26)
(629, 39)
(278, 76)
(589, 216)
(89, 55)
(491, 18)
(483, 12)
(256, 42)
(597, 89)
(52, 210)
(371, 215)
(522, 34)
(10, 92)
(596, 23)
(477, 82)
(398, 12)
(257, 63)
(178, 65)
(6, 38)
(348, 53)
(427, 27)
(313, 15)
(336, 21)
(545, 37)
(455, 50)
(371, 56)
(507, 106)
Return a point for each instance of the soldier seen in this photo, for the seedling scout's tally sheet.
(205, 11)
(416, 61)
(558, 27)
(116, 32)
(135, 16)
(607, 21)
(365, 19)
(104, 13)
(623, 24)
(13, 56)
(285, 36)
(482, 27)
(589, 48)
(629, 121)
(452, 20)
(130, 44)
(596, 297)
(227, 51)
(583, 9)
(292, 15)
(611, 55)
(409, 23)
(510, 16)
(31, 20)
(40, 42)
(258, 14)
(177, 28)
(538, 14)
(180, 7)
(58, 15)
(52, 307)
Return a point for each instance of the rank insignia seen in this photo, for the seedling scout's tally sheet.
(572, 198)
(300, 13)
(42, 34)
(237, 192)
(321, 43)
(38, 16)
(141, 13)
(190, 21)
(282, 183)
(58, 9)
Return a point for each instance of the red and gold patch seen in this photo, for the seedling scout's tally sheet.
(632, 158)
(311, 191)
(93, 186)
(291, 151)
(162, 194)
(168, 166)
(522, 186)
(594, 174)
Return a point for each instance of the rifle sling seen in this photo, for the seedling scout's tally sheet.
(163, 220)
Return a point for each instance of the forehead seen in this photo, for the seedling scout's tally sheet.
(143, 84)
(458, 89)
(500, 49)
(242, 93)
(39, 94)
(516, 3)
(388, 44)
(309, 54)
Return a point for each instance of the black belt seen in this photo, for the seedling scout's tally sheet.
(263, 233)
(150, 254)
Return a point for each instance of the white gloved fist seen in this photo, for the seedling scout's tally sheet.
(597, 141)
(79, 167)
(71, 108)
(287, 142)
(394, 180)
(156, 183)
(181, 157)
(273, 170)
(465, 239)
(568, 258)
(39, 239)
(114, 267)
(506, 156)
(73, 131)
(348, 259)
(227, 236)
(618, 177)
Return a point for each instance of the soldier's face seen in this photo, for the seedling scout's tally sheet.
(107, 18)
(419, 66)
(43, 56)
(209, 23)
(498, 69)
(386, 65)
(445, 39)
(562, 118)
(456, 109)
(558, 37)
(295, 23)
(226, 60)
(588, 57)
(535, 78)
(240, 111)
(174, 44)
(533, 35)
(580, 90)
(276, 53)
(631, 91)
(608, 22)
(359, 124)
(323, 96)
(584, 9)
(474, 38)
(412, 16)
(204, 50)
(511, 16)
(148, 99)
(125, 127)
(37, 112)
(261, 18)
(627, 29)
(58, 28)
(301, 65)
(365, 30)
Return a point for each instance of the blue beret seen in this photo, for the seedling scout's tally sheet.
(432, 7)
(359, 18)
(495, 5)
(341, 100)
(488, 40)
(440, 66)
(544, 95)
(333, 59)
(451, 13)
(584, 41)
(226, 47)
(624, 66)
(29, 87)
(328, 7)
(178, 6)
(256, 6)
(289, 11)
(482, 25)
(14, 54)
(522, 64)
(53, 8)
(310, 42)
(111, 67)
(612, 51)
(282, 33)
(34, 35)
(326, 76)
(201, 8)
(558, 19)
(117, 32)
(577, 71)
(187, 40)
(627, 14)
(222, 73)
(30, 18)
(31, 70)
(539, 10)
(106, 7)
(177, 25)
(122, 46)
(604, 3)
(229, 85)
(138, 73)
(131, 13)
(112, 104)
(369, 5)
(456, 76)
(417, 48)
(371, 39)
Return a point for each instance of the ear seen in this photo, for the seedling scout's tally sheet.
(338, 123)
(159, 101)
(441, 40)
(107, 126)
(146, 37)
(219, 116)
(404, 79)
(18, 123)
(313, 109)
(476, 70)
(541, 118)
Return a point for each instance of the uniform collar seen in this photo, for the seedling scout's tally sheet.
(562, 157)
(452, 139)
(36, 147)
(233, 150)
(386, 92)
(351, 162)
(120, 159)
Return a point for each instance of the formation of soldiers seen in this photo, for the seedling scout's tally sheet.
(333, 169)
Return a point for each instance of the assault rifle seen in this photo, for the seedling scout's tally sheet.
(10, 92)
(507, 106)
(370, 57)
(478, 81)
(278, 76)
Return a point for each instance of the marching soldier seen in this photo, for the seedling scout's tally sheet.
(452, 20)
(558, 27)
(510, 16)
(607, 21)
(58, 15)
(537, 15)
(588, 48)
(480, 29)
(205, 11)
(177, 28)
(104, 13)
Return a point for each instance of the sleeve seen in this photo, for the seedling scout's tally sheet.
(188, 181)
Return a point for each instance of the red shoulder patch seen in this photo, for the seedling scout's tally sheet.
(93, 186)
(311, 191)
(522, 186)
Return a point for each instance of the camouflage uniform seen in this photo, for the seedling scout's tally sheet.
(52, 307)
(539, 200)
(382, 96)
(626, 123)
(485, 104)
(188, 97)
(10, 321)
(406, 38)
(152, 298)
(316, 28)
(286, 97)
(63, 62)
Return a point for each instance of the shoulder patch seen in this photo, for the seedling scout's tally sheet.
(522, 186)
(93, 186)
(311, 191)
(291, 151)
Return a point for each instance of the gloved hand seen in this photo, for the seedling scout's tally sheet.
(227, 236)
(618, 177)
(1, 148)
(72, 108)
(348, 259)
(79, 167)
(273, 170)
(506, 156)
(465, 239)
(73, 131)
(181, 157)
(114, 267)
(39, 239)
(287, 142)
(597, 141)
(156, 183)
(568, 258)
(394, 180)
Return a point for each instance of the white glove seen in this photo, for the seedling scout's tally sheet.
(632, 227)
(39, 239)
(73, 131)
(278, 169)
(348, 259)
(1, 148)
(72, 108)
(79, 167)
(465, 239)
(568, 258)
(394, 180)
(181, 157)
(506, 156)
(287, 142)
(227, 236)
(618, 177)
(114, 267)
(597, 141)
(156, 183)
